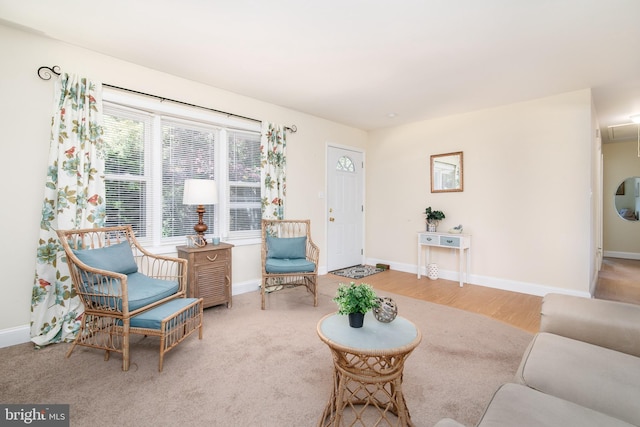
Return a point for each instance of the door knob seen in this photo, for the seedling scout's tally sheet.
(331, 219)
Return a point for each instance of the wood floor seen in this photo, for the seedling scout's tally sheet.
(618, 280)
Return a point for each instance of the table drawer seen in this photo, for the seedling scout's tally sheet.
(211, 256)
(450, 241)
(427, 239)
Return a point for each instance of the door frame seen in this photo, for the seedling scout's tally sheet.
(330, 145)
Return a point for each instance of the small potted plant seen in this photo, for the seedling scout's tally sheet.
(433, 218)
(355, 300)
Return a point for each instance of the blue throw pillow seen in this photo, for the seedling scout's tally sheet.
(286, 247)
(117, 258)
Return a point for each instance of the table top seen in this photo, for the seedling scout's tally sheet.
(398, 335)
(207, 247)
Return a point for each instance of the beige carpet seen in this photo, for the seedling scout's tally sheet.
(264, 368)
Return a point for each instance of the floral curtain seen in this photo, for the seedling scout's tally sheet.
(74, 194)
(274, 162)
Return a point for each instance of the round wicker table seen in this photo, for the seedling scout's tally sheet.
(368, 366)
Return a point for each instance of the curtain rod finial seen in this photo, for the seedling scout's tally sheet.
(46, 73)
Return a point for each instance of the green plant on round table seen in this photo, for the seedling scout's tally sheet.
(355, 299)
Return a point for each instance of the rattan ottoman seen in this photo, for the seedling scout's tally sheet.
(172, 321)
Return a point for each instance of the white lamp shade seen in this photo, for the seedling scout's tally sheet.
(200, 192)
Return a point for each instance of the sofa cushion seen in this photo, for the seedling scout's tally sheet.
(117, 258)
(604, 380)
(609, 324)
(286, 247)
(298, 265)
(518, 405)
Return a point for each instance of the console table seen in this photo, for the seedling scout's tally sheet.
(209, 273)
(459, 242)
(368, 365)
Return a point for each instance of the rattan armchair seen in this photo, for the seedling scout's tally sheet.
(289, 257)
(116, 279)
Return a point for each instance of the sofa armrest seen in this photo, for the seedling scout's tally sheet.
(608, 324)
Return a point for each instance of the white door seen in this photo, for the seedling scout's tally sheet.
(345, 205)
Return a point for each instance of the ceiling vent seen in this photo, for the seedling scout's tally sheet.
(624, 132)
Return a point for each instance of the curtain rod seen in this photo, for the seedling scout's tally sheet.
(46, 73)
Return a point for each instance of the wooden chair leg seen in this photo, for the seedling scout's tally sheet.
(78, 337)
(162, 342)
(315, 295)
(125, 347)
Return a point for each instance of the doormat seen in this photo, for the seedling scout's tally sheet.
(357, 271)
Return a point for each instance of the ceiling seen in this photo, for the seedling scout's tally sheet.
(359, 62)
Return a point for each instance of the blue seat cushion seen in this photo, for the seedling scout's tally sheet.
(286, 247)
(117, 258)
(295, 265)
(152, 319)
(144, 290)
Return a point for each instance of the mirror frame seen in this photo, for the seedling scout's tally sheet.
(460, 187)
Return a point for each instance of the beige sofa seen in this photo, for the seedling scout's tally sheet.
(582, 369)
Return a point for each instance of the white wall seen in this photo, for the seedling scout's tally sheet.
(25, 110)
(526, 198)
(621, 238)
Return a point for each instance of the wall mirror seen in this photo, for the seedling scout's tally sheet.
(627, 199)
(447, 172)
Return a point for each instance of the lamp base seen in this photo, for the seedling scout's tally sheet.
(200, 228)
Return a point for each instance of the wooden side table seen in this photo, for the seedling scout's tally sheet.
(209, 273)
(368, 365)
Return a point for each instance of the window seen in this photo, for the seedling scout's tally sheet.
(245, 202)
(151, 148)
(345, 164)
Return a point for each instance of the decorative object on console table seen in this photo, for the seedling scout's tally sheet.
(456, 230)
(209, 273)
(355, 300)
(433, 219)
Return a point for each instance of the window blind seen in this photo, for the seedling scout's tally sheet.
(126, 169)
(245, 207)
(188, 151)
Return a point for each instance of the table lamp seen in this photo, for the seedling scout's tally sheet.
(200, 192)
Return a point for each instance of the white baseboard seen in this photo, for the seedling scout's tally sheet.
(244, 287)
(15, 336)
(489, 282)
(625, 255)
